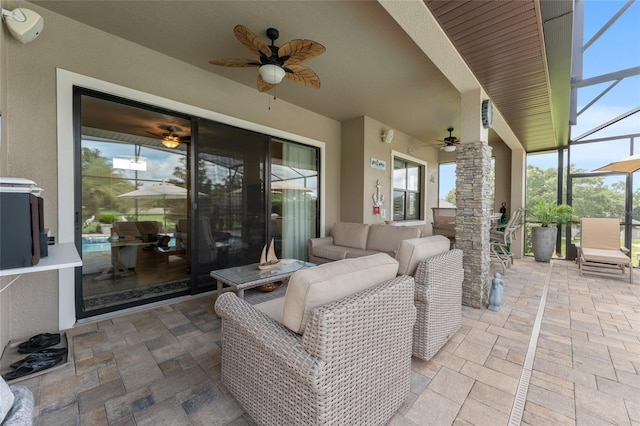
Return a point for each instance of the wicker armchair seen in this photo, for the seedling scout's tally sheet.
(351, 366)
(438, 299)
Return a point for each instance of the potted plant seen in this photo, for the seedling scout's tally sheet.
(106, 222)
(548, 216)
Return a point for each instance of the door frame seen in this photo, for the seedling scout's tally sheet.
(65, 81)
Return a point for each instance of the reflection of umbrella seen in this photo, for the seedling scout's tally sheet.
(626, 165)
(157, 191)
(288, 185)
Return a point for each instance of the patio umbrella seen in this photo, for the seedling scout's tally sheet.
(626, 165)
(157, 191)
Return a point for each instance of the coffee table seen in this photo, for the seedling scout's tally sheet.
(249, 276)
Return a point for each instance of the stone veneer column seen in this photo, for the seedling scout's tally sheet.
(473, 219)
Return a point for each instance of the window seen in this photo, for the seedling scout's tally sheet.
(406, 190)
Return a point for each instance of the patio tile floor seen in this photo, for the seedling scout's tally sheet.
(162, 365)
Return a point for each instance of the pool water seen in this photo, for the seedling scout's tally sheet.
(96, 244)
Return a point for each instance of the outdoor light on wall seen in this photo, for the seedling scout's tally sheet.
(24, 24)
(387, 136)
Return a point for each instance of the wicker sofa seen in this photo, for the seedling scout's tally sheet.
(16, 405)
(349, 240)
(346, 361)
(438, 274)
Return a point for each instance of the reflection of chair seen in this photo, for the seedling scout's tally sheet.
(501, 239)
(145, 231)
(599, 251)
(210, 243)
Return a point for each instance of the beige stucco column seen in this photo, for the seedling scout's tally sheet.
(473, 168)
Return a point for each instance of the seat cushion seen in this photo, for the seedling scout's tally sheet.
(309, 288)
(330, 252)
(350, 234)
(413, 250)
(353, 253)
(387, 238)
(605, 256)
(272, 307)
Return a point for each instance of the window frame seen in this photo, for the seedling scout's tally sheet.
(421, 190)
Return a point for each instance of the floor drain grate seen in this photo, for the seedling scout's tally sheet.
(517, 410)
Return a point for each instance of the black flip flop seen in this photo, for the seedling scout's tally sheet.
(40, 342)
(32, 367)
(41, 355)
(34, 338)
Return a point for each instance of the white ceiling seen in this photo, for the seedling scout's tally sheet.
(371, 67)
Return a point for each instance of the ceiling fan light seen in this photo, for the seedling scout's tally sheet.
(171, 141)
(272, 74)
(449, 148)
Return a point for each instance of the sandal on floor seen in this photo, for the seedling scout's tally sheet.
(31, 367)
(36, 337)
(39, 342)
(41, 355)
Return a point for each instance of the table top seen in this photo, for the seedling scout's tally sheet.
(250, 275)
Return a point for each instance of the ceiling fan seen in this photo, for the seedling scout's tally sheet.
(275, 62)
(171, 139)
(450, 142)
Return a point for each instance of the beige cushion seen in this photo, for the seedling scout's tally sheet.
(350, 234)
(413, 250)
(309, 288)
(330, 252)
(360, 253)
(601, 233)
(387, 238)
(272, 307)
(605, 256)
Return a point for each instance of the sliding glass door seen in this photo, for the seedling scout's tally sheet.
(164, 198)
(231, 207)
(131, 196)
(294, 198)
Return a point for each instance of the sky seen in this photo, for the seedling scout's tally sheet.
(617, 49)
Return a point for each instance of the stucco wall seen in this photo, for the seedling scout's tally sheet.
(31, 143)
(5, 296)
(360, 143)
(352, 167)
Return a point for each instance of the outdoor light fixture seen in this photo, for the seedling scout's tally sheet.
(449, 148)
(271, 74)
(171, 141)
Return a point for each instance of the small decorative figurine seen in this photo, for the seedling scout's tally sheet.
(268, 258)
(495, 296)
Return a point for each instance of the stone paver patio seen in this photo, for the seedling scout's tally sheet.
(161, 366)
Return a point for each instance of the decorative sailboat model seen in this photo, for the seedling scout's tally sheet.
(268, 257)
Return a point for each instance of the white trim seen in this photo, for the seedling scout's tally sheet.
(65, 80)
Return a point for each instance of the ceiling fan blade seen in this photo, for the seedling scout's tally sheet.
(235, 62)
(300, 50)
(302, 75)
(263, 86)
(251, 41)
(155, 134)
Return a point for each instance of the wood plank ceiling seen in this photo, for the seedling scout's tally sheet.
(502, 42)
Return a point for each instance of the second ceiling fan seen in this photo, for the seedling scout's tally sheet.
(450, 142)
(276, 63)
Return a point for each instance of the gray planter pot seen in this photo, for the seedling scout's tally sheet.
(543, 240)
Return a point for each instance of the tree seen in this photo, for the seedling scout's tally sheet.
(101, 184)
